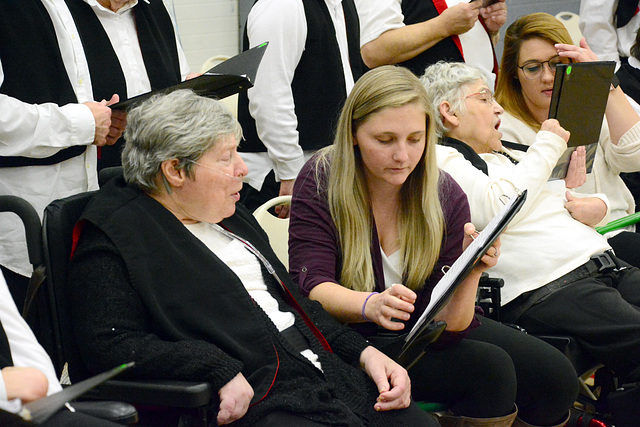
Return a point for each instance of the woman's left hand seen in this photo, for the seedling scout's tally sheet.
(580, 53)
(391, 379)
(490, 258)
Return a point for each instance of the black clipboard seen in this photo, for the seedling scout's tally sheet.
(578, 102)
(225, 79)
(579, 98)
(425, 331)
(39, 411)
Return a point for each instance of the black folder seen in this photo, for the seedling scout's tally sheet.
(425, 331)
(578, 102)
(225, 79)
(39, 411)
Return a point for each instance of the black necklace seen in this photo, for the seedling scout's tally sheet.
(511, 159)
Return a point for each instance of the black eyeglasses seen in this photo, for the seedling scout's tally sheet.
(533, 69)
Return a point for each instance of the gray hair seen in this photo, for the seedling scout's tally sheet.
(447, 81)
(179, 125)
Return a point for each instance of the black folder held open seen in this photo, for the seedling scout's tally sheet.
(578, 102)
(413, 345)
(225, 79)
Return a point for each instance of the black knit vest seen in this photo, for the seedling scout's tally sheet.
(629, 78)
(33, 69)
(318, 85)
(157, 42)
(5, 350)
(625, 11)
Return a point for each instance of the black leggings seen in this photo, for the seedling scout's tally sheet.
(493, 367)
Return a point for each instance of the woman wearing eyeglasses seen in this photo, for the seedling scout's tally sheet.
(533, 46)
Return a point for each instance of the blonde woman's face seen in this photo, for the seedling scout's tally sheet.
(391, 144)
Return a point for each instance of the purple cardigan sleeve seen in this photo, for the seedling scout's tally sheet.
(314, 251)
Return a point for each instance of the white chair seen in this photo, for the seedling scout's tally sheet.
(231, 102)
(276, 228)
(572, 22)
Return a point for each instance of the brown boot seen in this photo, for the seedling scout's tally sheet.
(519, 423)
(455, 421)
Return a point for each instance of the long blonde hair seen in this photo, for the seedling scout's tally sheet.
(509, 90)
(421, 222)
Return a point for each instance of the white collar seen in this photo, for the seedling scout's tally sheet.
(130, 5)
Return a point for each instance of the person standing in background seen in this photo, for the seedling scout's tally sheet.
(610, 27)
(131, 48)
(55, 55)
(308, 69)
(418, 33)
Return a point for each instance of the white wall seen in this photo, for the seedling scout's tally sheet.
(206, 28)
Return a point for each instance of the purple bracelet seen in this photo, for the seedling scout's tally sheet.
(364, 316)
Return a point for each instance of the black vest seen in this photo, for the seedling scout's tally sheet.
(629, 78)
(33, 69)
(416, 11)
(318, 85)
(159, 53)
(5, 350)
(625, 11)
(157, 42)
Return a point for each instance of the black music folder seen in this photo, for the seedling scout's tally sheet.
(225, 79)
(425, 331)
(578, 102)
(39, 411)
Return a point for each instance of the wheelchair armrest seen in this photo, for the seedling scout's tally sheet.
(183, 394)
(117, 412)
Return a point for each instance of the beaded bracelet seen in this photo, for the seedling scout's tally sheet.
(364, 304)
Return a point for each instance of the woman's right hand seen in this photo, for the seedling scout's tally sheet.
(394, 303)
(553, 126)
(235, 397)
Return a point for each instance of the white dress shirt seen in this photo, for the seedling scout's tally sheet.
(25, 349)
(598, 28)
(283, 24)
(380, 16)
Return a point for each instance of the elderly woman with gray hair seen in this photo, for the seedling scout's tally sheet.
(560, 275)
(170, 273)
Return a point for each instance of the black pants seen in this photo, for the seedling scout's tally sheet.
(493, 367)
(626, 245)
(601, 312)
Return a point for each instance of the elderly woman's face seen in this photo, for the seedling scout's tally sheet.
(213, 192)
(391, 143)
(478, 125)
